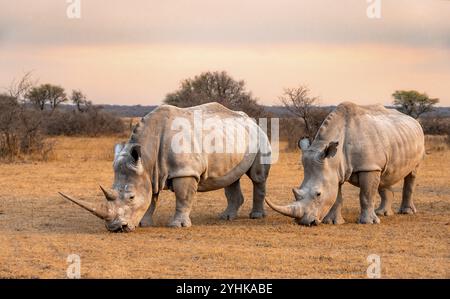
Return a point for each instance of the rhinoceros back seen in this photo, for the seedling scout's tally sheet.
(375, 139)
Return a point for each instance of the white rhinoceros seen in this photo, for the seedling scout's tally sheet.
(369, 146)
(202, 148)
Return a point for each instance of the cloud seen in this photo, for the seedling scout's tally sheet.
(405, 22)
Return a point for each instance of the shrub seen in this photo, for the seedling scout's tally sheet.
(436, 125)
(293, 128)
(93, 122)
(21, 131)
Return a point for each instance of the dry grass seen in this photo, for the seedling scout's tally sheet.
(38, 229)
(437, 143)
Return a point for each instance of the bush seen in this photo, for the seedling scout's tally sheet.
(93, 122)
(21, 131)
(436, 125)
(293, 128)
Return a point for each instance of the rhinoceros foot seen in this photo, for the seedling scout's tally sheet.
(407, 210)
(181, 221)
(384, 212)
(145, 222)
(333, 218)
(257, 215)
(228, 215)
(368, 218)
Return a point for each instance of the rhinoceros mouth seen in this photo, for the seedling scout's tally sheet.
(124, 228)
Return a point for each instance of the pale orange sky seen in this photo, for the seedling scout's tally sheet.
(135, 52)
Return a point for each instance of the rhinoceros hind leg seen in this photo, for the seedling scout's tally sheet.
(385, 208)
(407, 206)
(235, 199)
(368, 184)
(185, 189)
(259, 193)
(258, 173)
(334, 216)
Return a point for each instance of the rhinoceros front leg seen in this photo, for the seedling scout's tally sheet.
(369, 182)
(147, 219)
(185, 189)
(385, 209)
(235, 199)
(334, 216)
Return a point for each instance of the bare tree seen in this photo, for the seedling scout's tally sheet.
(19, 88)
(300, 103)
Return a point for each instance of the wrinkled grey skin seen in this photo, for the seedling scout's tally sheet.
(370, 147)
(147, 164)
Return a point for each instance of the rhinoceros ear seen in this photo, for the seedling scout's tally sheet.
(117, 149)
(135, 152)
(331, 150)
(303, 143)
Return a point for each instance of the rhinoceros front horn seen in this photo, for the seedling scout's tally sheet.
(99, 211)
(293, 210)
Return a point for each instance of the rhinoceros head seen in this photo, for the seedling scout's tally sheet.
(318, 191)
(129, 198)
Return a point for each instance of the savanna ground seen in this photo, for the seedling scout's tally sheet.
(39, 229)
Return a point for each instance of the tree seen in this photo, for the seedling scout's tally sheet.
(19, 88)
(300, 103)
(214, 87)
(413, 103)
(78, 98)
(47, 93)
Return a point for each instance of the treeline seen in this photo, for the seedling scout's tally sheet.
(30, 113)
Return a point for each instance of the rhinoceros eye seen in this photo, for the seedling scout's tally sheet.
(318, 194)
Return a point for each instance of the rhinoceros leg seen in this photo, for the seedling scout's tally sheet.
(387, 195)
(407, 206)
(185, 189)
(259, 193)
(334, 216)
(147, 219)
(258, 173)
(369, 182)
(235, 199)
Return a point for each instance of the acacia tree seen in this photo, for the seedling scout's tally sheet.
(47, 93)
(413, 103)
(214, 87)
(298, 101)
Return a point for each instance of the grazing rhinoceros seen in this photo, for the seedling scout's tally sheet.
(369, 146)
(171, 149)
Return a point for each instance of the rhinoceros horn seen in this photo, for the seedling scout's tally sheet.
(99, 211)
(109, 196)
(294, 210)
